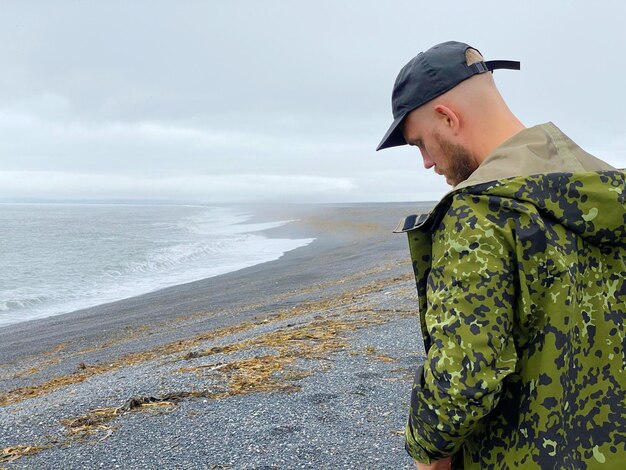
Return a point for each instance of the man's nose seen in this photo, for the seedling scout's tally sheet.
(428, 162)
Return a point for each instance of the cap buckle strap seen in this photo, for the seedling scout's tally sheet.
(479, 67)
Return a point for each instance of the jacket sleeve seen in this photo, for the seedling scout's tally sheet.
(470, 299)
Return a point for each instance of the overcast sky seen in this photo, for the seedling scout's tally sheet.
(236, 100)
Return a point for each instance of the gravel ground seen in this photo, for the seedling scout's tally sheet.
(326, 379)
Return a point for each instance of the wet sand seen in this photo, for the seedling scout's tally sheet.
(303, 362)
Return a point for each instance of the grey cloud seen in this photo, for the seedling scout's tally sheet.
(157, 91)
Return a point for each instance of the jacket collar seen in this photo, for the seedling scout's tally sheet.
(536, 150)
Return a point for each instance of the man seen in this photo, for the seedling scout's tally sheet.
(521, 277)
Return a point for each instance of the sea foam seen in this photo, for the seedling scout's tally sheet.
(59, 258)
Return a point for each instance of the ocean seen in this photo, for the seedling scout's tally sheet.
(56, 258)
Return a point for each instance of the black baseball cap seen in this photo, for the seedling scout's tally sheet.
(429, 75)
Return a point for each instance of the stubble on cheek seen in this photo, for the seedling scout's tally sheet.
(461, 168)
(461, 164)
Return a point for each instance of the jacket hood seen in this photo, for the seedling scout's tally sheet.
(591, 204)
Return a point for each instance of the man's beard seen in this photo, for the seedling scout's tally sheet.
(461, 163)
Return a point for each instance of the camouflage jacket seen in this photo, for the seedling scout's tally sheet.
(522, 295)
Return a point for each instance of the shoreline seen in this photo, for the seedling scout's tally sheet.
(156, 281)
(293, 229)
(307, 222)
(353, 285)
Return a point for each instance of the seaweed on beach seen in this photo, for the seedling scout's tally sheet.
(23, 393)
(275, 372)
(95, 421)
(278, 363)
(10, 454)
(257, 374)
(86, 371)
(47, 359)
(373, 353)
(345, 299)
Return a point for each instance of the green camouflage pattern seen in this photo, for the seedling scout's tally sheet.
(522, 295)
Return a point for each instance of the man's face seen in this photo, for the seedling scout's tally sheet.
(451, 160)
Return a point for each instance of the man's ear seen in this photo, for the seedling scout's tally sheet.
(448, 118)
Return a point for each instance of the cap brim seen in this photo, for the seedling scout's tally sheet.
(393, 137)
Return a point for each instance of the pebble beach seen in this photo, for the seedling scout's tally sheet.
(302, 362)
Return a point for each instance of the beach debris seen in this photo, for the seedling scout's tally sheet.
(11, 454)
(326, 304)
(276, 372)
(326, 330)
(24, 393)
(95, 421)
(42, 361)
(208, 352)
(260, 373)
(205, 367)
(144, 401)
(375, 354)
(24, 373)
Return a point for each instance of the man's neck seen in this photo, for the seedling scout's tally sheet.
(494, 134)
